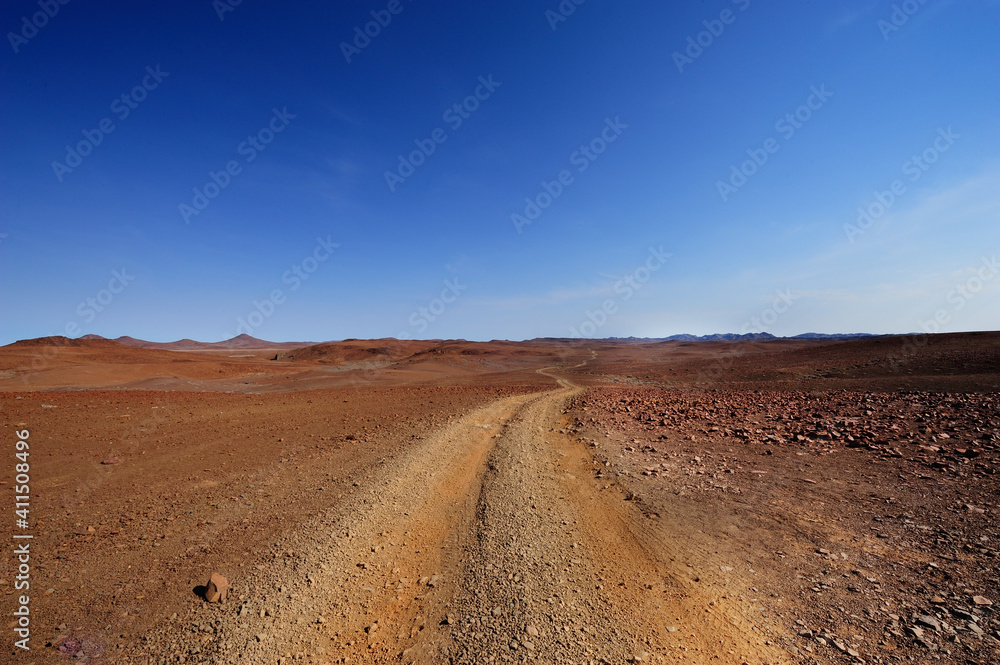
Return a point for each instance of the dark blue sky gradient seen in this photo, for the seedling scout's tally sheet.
(656, 185)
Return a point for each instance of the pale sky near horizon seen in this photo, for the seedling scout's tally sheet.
(498, 170)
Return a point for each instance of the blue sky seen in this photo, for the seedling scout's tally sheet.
(644, 125)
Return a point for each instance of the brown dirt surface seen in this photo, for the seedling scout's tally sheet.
(551, 501)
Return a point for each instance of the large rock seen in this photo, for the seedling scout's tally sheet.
(217, 588)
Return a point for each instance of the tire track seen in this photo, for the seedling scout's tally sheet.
(489, 542)
(563, 572)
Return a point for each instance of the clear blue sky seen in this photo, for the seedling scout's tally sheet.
(669, 129)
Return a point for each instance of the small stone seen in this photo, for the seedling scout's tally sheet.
(217, 588)
(531, 630)
(981, 600)
(962, 614)
(929, 621)
(937, 600)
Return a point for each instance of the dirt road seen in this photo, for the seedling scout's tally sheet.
(493, 540)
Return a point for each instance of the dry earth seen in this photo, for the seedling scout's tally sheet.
(434, 502)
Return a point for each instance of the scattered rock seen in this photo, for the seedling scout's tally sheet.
(217, 588)
(929, 621)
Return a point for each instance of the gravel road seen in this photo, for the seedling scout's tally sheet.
(496, 539)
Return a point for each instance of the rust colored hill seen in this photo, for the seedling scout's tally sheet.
(956, 361)
(243, 342)
(965, 361)
(85, 342)
(358, 350)
(59, 362)
(394, 350)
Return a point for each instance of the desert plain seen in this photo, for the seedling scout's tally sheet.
(809, 501)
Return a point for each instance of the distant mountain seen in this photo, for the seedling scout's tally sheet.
(242, 342)
(246, 342)
(835, 336)
(717, 337)
(92, 341)
(724, 337)
(746, 337)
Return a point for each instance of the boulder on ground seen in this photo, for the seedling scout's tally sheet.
(217, 588)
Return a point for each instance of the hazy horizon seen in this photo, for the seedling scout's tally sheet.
(495, 339)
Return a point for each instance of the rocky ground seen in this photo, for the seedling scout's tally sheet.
(139, 495)
(770, 503)
(491, 541)
(875, 513)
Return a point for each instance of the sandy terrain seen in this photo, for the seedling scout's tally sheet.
(547, 501)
